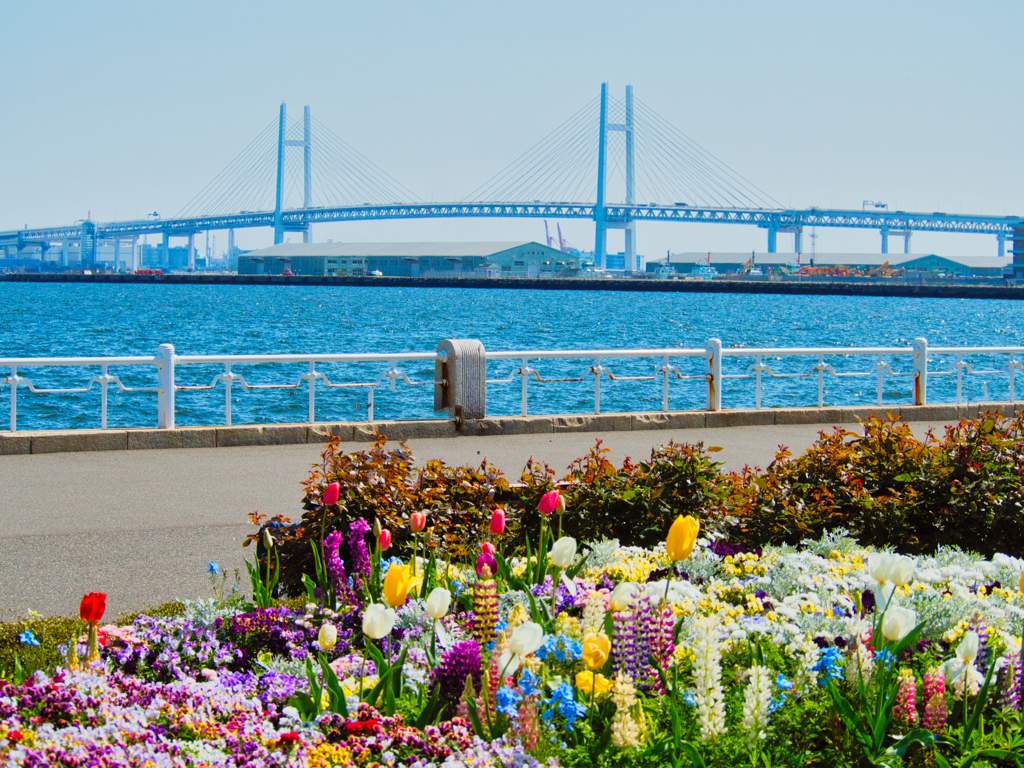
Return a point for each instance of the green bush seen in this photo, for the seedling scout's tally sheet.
(881, 483)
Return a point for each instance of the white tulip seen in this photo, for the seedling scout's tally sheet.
(967, 651)
(624, 596)
(898, 622)
(327, 638)
(885, 566)
(268, 540)
(526, 639)
(508, 664)
(378, 620)
(437, 603)
(563, 552)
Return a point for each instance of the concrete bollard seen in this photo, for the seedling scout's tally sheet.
(463, 376)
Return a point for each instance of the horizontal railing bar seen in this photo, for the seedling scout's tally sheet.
(786, 351)
(975, 350)
(292, 358)
(22, 362)
(564, 353)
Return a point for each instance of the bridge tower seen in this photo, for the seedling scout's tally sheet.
(306, 145)
(601, 222)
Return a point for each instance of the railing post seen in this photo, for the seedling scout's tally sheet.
(713, 350)
(463, 372)
(312, 392)
(757, 399)
(13, 381)
(920, 371)
(228, 378)
(1013, 370)
(525, 372)
(165, 386)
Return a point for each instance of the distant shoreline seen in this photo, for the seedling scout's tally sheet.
(794, 288)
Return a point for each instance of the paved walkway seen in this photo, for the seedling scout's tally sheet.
(142, 526)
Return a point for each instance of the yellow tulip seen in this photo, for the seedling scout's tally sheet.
(596, 649)
(398, 583)
(591, 684)
(681, 537)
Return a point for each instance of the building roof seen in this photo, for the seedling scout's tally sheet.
(456, 249)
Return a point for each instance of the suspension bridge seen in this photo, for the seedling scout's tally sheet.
(615, 162)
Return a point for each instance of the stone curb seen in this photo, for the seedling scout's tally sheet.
(61, 441)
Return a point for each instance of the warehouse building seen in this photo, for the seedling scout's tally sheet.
(454, 259)
(732, 263)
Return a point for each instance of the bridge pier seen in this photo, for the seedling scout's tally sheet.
(191, 252)
(885, 239)
(164, 255)
(1002, 244)
(772, 235)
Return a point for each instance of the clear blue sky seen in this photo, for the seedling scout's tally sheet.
(123, 108)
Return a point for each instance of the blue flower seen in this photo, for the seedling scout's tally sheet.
(563, 701)
(214, 568)
(529, 683)
(886, 657)
(507, 701)
(783, 683)
(27, 638)
(776, 704)
(563, 648)
(829, 666)
(688, 699)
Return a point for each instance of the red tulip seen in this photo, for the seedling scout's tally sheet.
(550, 502)
(331, 494)
(487, 547)
(486, 559)
(418, 521)
(92, 607)
(384, 540)
(497, 522)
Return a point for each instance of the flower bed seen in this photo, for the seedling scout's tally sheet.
(699, 650)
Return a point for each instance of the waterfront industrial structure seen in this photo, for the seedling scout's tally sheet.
(444, 259)
(746, 262)
(574, 162)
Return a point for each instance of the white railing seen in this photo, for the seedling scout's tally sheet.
(751, 364)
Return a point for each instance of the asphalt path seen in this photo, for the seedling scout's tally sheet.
(143, 526)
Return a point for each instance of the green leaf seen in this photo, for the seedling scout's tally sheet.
(575, 569)
(474, 718)
(919, 736)
(979, 706)
(692, 754)
(374, 694)
(430, 711)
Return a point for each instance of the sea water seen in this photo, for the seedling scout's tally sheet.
(64, 320)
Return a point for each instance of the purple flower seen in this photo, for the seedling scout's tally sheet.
(461, 661)
(358, 553)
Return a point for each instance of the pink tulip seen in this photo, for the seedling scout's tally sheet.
(497, 522)
(486, 559)
(550, 502)
(417, 521)
(384, 540)
(488, 548)
(331, 494)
